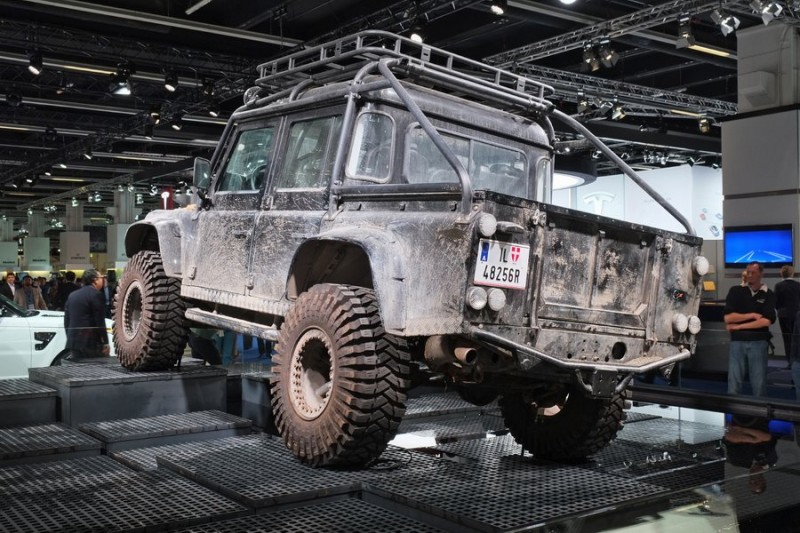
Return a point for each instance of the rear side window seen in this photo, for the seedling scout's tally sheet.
(249, 161)
(372, 148)
(490, 166)
(309, 157)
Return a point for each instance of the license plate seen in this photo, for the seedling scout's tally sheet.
(502, 264)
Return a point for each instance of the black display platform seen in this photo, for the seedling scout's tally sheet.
(92, 392)
(23, 402)
(468, 476)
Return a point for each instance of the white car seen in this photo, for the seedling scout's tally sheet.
(31, 339)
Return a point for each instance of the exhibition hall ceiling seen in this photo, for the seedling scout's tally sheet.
(622, 66)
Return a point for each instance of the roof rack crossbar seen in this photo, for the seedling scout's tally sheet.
(339, 60)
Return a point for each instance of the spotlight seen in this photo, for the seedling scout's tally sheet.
(498, 7)
(590, 58)
(584, 106)
(120, 188)
(30, 211)
(29, 179)
(417, 33)
(148, 131)
(618, 113)
(50, 134)
(48, 173)
(171, 81)
(87, 154)
(35, 62)
(155, 114)
(131, 187)
(153, 189)
(727, 23)
(213, 109)
(768, 10)
(177, 121)
(209, 89)
(62, 164)
(97, 197)
(139, 199)
(74, 202)
(685, 35)
(121, 80)
(608, 56)
(13, 99)
(704, 125)
(62, 83)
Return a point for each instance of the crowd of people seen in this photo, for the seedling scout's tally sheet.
(40, 293)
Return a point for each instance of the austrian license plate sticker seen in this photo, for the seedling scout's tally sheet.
(502, 264)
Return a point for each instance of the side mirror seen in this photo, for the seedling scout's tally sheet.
(202, 173)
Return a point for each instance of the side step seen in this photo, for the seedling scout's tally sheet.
(229, 323)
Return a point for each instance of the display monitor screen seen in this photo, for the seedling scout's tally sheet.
(772, 245)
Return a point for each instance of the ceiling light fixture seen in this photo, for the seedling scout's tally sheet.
(498, 7)
(704, 125)
(209, 88)
(417, 33)
(35, 62)
(87, 154)
(74, 202)
(121, 80)
(177, 121)
(617, 113)
(685, 35)
(155, 114)
(590, 58)
(213, 109)
(767, 9)
(608, 55)
(171, 81)
(148, 131)
(727, 23)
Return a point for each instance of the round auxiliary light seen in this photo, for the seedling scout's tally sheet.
(497, 299)
(487, 224)
(694, 325)
(680, 322)
(476, 298)
(700, 265)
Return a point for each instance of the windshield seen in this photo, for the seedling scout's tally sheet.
(5, 302)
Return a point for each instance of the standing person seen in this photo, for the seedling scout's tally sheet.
(749, 311)
(787, 303)
(109, 291)
(28, 296)
(84, 319)
(66, 288)
(8, 288)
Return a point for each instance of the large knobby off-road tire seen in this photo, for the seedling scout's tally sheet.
(150, 327)
(572, 430)
(340, 382)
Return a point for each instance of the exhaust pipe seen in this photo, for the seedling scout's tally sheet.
(466, 355)
(439, 352)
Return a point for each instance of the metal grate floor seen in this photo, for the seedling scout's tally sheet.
(164, 425)
(11, 389)
(259, 471)
(99, 494)
(662, 432)
(342, 516)
(453, 427)
(511, 492)
(44, 440)
(145, 458)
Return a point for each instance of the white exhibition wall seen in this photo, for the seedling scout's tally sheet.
(695, 191)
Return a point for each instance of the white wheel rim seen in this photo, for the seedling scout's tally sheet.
(311, 374)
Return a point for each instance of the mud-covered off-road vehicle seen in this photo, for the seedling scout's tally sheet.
(380, 207)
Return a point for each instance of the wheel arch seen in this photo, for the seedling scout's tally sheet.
(364, 257)
(163, 236)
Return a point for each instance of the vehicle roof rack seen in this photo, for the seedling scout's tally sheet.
(339, 60)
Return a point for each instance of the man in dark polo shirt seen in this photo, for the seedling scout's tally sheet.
(749, 311)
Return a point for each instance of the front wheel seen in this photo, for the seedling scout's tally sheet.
(340, 382)
(570, 429)
(150, 326)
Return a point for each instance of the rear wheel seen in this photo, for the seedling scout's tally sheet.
(150, 327)
(570, 429)
(340, 382)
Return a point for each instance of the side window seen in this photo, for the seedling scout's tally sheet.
(499, 169)
(248, 164)
(309, 158)
(371, 152)
(426, 164)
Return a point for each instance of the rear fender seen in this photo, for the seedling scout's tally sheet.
(365, 257)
